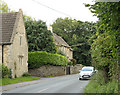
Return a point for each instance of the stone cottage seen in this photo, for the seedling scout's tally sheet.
(13, 43)
(63, 46)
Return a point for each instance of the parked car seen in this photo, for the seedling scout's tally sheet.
(86, 72)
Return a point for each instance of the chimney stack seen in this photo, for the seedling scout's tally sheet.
(50, 28)
(20, 11)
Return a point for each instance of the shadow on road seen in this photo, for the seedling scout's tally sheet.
(84, 79)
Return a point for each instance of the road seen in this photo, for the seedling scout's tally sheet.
(61, 84)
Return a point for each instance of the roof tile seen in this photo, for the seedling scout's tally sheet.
(6, 28)
(59, 41)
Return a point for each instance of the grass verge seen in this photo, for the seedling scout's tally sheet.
(6, 81)
(48, 76)
(98, 85)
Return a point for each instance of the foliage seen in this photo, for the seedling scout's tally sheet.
(5, 71)
(73, 61)
(106, 46)
(77, 34)
(39, 58)
(97, 85)
(105, 49)
(26, 74)
(61, 53)
(6, 81)
(64, 27)
(49, 77)
(73, 31)
(39, 38)
(70, 63)
(82, 55)
(4, 7)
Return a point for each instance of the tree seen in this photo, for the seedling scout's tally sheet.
(106, 47)
(76, 34)
(39, 38)
(4, 7)
(64, 28)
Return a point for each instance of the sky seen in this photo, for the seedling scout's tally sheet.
(49, 10)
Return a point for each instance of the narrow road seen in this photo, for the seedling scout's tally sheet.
(61, 84)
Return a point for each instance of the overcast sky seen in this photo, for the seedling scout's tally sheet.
(50, 10)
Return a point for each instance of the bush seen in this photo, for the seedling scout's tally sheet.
(61, 53)
(73, 61)
(26, 74)
(70, 63)
(97, 85)
(40, 58)
(5, 72)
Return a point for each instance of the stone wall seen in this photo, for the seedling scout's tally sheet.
(7, 55)
(54, 70)
(48, 71)
(75, 69)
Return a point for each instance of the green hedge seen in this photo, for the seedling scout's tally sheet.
(39, 58)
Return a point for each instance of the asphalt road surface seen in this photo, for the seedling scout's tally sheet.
(61, 84)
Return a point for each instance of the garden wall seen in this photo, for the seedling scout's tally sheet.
(44, 71)
(50, 70)
(75, 69)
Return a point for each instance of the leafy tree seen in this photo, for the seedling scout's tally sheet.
(64, 28)
(106, 47)
(39, 38)
(76, 34)
(4, 7)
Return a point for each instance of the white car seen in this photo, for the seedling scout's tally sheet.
(86, 72)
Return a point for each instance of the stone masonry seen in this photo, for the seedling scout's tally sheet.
(50, 70)
(45, 71)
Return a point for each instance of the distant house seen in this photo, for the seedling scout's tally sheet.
(13, 43)
(63, 46)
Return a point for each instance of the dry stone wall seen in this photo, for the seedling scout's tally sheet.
(48, 71)
(75, 69)
(45, 71)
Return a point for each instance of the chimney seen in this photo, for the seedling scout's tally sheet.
(20, 11)
(50, 28)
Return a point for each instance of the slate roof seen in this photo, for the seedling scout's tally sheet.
(7, 26)
(59, 41)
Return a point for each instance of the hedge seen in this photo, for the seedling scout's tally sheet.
(40, 58)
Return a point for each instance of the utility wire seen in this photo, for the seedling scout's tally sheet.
(52, 8)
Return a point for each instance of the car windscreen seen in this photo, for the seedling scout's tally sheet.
(86, 69)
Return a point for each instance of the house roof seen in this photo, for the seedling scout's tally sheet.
(7, 26)
(59, 41)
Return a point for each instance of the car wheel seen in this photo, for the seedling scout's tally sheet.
(79, 78)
